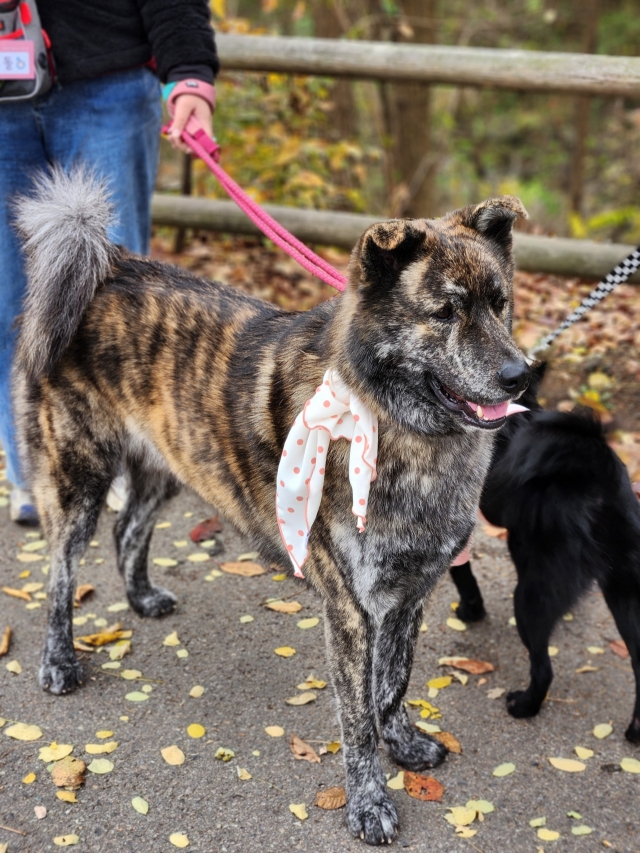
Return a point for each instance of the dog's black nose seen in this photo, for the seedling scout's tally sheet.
(514, 376)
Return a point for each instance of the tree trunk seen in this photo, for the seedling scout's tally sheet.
(408, 108)
(589, 11)
(328, 24)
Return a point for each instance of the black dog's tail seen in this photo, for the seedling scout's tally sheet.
(63, 225)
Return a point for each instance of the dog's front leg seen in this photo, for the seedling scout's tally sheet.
(394, 649)
(371, 814)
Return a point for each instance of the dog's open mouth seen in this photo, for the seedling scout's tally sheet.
(485, 417)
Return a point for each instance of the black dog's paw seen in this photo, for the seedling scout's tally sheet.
(156, 601)
(373, 817)
(633, 732)
(60, 676)
(471, 611)
(521, 704)
(416, 751)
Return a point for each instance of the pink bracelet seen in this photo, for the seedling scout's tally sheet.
(192, 87)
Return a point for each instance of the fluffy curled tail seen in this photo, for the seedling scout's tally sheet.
(63, 225)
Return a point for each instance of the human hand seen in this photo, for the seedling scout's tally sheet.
(185, 106)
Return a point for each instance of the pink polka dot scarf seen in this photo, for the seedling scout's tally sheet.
(332, 413)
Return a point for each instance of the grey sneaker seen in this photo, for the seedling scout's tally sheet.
(22, 507)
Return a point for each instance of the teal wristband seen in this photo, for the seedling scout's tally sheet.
(167, 89)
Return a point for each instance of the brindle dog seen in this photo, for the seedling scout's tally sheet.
(123, 360)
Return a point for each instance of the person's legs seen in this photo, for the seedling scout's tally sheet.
(21, 154)
(112, 125)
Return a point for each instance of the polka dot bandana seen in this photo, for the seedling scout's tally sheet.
(332, 413)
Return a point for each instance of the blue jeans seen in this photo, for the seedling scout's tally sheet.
(111, 123)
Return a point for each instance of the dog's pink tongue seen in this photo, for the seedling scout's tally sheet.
(490, 413)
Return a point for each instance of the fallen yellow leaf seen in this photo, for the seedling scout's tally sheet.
(224, 754)
(102, 638)
(548, 834)
(32, 587)
(504, 769)
(14, 667)
(100, 766)
(308, 623)
(182, 653)
(602, 730)
(456, 624)
(440, 683)
(66, 796)
(245, 570)
(162, 525)
(581, 830)
(179, 839)
(274, 731)
(301, 698)
(5, 641)
(460, 816)
(130, 674)
(396, 783)
(38, 545)
(29, 558)
(136, 696)
(630, 765)
(312, 684)
(140, 805)
(171, 639)
(281, 577)
(285, 651)
(173, 755)
(199, 557)
(243, 774)
(101, 748)
(167, 562)
(23, 731)
(583, 753)
(55, 752)
(121, 648)
(29, 778)
(16, 593)
(196, 691)
(195, 730)
(66, 840)
(482, 806)
(568, 765)
(284, 606)
(299, 810)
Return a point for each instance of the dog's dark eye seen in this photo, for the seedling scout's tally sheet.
(500, 304)
(445, 313)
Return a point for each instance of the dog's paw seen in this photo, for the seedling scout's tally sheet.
(520, 703)
(471, 611)
(633, 732)
(60, 676)
(156, 601)
(416, 750)
(373, 817)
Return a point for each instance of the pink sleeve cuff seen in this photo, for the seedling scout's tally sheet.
(192, 87)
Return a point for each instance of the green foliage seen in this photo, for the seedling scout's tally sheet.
(274, 131)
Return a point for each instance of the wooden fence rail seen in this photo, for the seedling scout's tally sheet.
(583, 258)
(522, 70)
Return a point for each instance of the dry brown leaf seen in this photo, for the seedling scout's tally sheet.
(83, 591)
(16, 593)
(68, 772)
(5, 642)
(496, 532)
(284, 606)
(422, 787)
(332, 798)
(206, 529)
(82, 647)
(474, 667)
(450, 741)
(303, 751)
(619, 647)
(246, 570)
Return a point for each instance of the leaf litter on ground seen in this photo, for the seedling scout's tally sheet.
(422, 787)
(302, 751)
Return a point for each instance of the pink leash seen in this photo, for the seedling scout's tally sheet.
(195, 136)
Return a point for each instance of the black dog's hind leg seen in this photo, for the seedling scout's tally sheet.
(622, 594)
(536, 614)
(69, 511)
(148, 491)
(394, 650)
(471, 607)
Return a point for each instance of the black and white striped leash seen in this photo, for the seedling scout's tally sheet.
(618, 275)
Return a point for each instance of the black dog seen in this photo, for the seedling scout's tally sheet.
(572, 518)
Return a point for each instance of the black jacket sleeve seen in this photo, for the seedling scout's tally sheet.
(181, 38)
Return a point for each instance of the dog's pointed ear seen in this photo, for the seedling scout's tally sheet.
(385, 250)
(493, 218)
